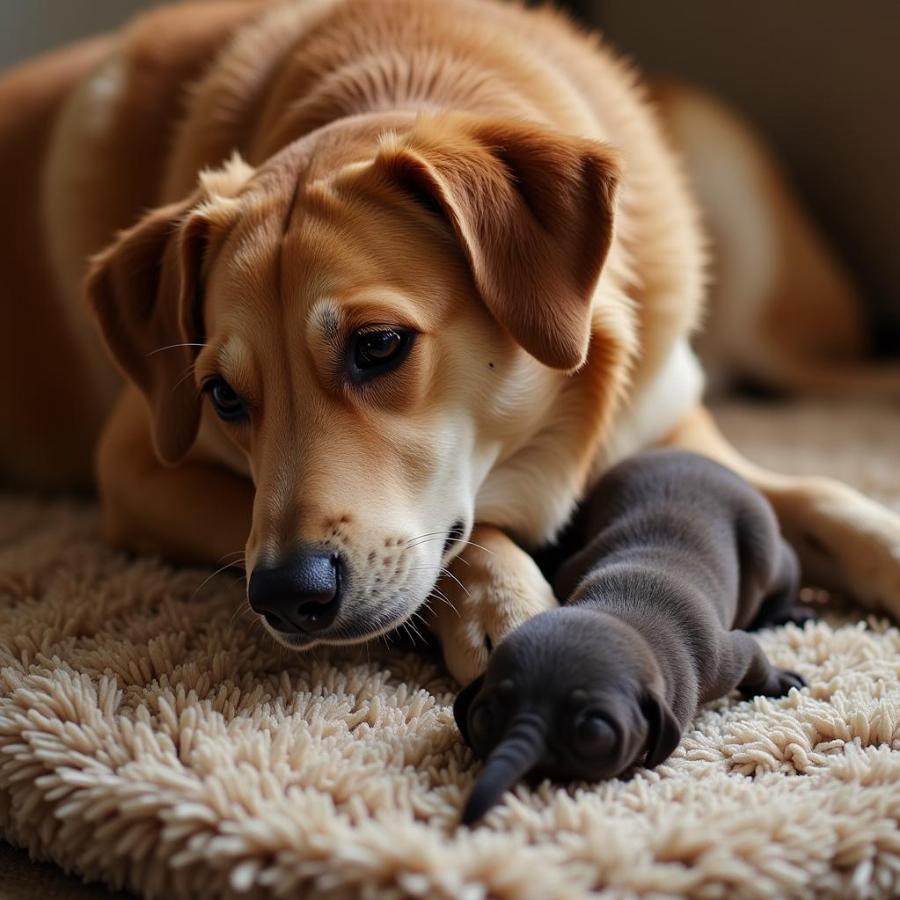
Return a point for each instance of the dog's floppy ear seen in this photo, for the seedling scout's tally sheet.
(533, 211)
(145, 291)
(663, 730)
(462, 704)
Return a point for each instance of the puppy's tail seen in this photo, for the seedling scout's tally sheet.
(517, 753)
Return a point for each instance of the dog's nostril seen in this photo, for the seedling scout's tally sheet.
(276, 622)
(312, 612)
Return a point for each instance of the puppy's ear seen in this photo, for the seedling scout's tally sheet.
(663, 730)
(145, 290)
(462, 704)
(533, 212)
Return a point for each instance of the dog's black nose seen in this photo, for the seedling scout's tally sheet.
(302, 594)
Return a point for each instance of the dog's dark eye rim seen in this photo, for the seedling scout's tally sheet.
(375, 350)
(226, 401)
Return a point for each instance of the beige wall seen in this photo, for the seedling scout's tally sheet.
(30, 26)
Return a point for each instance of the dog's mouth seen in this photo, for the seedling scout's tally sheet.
(347, 634)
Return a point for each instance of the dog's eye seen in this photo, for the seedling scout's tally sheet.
(373, 352)
(594, 736)
(226, 401)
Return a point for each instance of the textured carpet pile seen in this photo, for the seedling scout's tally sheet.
(151, 737)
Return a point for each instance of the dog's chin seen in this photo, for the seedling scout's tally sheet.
(343, 634)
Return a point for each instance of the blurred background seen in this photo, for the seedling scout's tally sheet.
(820, 80)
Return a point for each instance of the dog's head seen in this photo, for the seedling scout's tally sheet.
(572, 694)
(366, 325)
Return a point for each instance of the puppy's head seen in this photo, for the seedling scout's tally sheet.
(573, 694)
(365, 326)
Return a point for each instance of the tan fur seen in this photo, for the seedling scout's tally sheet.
(484, 176)
(493, 587)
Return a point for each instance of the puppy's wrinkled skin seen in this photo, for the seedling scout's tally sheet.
(681, 557)
(261, 185)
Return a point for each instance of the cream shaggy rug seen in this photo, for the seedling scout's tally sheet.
(151, 737)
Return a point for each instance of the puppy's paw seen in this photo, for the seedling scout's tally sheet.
(797, 615)
(779, 684)
(787, 679)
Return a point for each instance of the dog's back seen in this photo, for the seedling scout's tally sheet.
(690, 521)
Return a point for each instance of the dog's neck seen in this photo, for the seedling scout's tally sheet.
(534, 487)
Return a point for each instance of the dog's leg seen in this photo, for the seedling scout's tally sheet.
(745, 666)
(195, 513)
(493, 586)
(780, 605)
(845, 541)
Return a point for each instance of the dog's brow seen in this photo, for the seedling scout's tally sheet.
(234, 359)
(325, 317)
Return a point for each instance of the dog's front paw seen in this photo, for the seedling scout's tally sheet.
(850, 543)
(492, 610)
(494, 587)
(873, 575)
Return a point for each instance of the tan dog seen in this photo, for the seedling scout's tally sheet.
(413, 274)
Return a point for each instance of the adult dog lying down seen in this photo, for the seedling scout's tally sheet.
(412, 275)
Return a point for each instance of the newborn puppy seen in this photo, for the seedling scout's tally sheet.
(679, 556)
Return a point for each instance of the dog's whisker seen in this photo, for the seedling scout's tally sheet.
(443, 571)
(456, 541)
(448, 574)
(445, 600)
(174, 347)
(425, 539)
(239, 554)
(474, 544)
(240, 612)
(427, 534)
(411, 631)
(209, 578)
(428, 539)
(418, 615)
(438, 592)
(181, 381)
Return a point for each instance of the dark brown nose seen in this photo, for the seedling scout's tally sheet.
(301, 594)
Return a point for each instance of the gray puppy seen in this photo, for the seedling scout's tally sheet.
(680, 556)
